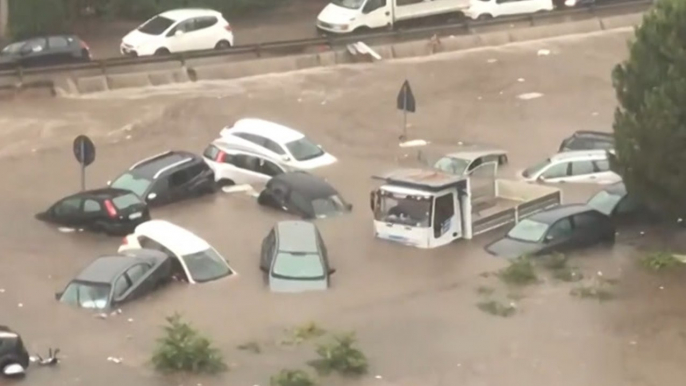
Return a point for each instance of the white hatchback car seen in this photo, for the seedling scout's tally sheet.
(276, 141)
(237, 165)
(195, 261)
(573, 166)
(179, 30)
(488, 9)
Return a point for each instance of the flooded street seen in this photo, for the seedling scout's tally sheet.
(414, 311)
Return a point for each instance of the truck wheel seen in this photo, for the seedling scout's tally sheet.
(485, 16)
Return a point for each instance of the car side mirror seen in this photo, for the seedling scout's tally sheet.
(58, 295)
(332, 271)
(152, 196)
(109, 183)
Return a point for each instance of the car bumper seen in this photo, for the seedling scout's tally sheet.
(332, 28)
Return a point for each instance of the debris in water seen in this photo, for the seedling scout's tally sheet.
(2, 290)
(543, 52)
(300, 100)
(130, 320)
(237, 188)
(413, 143)
(66, 230)
(323, 102)
(128, 137)
(520, 80)
(491, 60)
(600, 273)
(529, 95)
(642, 233)
(661, 287)
(378, 377)
(595, 113)
(20, 305)
(501, 93)
(101, 316)
(115, 360)
(479, 98)
(633, 343)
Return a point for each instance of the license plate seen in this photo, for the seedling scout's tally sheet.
(135, 216)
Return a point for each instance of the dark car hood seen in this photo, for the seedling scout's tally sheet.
(511, 248)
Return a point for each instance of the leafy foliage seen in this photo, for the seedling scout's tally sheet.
(658, 261)
(341, 356)
(497, 308)
(650, 123)
(519, 272)
(288, 377)
(305, 332)
(182, 348)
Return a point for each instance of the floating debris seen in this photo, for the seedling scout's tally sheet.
(543, 52)
(529, 95)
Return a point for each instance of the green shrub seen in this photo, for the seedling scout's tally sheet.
(596, 291)
(251, 346)
(340, 356)
(519, 272)
(658, 261)
(305, 332)
(497, 308)
(292, 378)
(182, 348)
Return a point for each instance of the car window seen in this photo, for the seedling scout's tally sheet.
(561, 229)
(90, 206)
(604, 202)
(179, 178)
(256, 139)
(327, 206)
(246, 162)
(121, 286)
(13, 48)
(126, 201)
(273, 146)
(34, 46)
(452, 165)
(303, 149)
(534, 170)
(206, 265)
(86, 295)
(211, 152)
(556, 171)
(136, 272)
(156, 26)
(269, 168)
(602, 165)
(581, 168)
(300, 202)
(205, 22)
(58, 42)
(185, 26)
(475, 163)
(586, 220)
(528, 230)
(68, 206)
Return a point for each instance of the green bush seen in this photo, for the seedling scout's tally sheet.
(519, 272)
(340, 356)
(182, 348)
(658, 261)
(497, 308)
(292, 378)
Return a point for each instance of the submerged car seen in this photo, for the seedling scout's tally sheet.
(294, 258)
(590, 166)
(559, 229)
(193, 259)
(14, 359)
(112, 211)
(462, 163)
(277, 141)
(110, 281)
(303, 194)
(45, 51)
(616, 202)
(237, 165)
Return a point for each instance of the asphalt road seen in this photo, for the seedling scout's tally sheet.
(414, 311)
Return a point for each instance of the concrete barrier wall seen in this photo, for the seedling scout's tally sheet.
(231, 67)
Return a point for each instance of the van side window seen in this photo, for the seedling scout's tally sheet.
(373, 5)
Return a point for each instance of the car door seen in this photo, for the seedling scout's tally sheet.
(583, 171)
(261, 142)
(248, 170)
(68, 212)
(60, 51)
(200, 178)
(181, 37)
(376, 14)
(204, 36)
(119, 289)
(179, 182)
(267, 252)
(139, 277)
(603, 173)
(559, 237)
(589, 229)
(159, 193)
(178, 271)
(557, 172)
(93, 211)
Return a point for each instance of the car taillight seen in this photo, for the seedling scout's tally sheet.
(84, 45)
(111, 210)
(125, 241)
(228, 27)
(221, 156)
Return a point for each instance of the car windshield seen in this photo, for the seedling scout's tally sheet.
(303, 149)
(406, 210)
(452, 165)
(324, 207)
(298, 266)
(206, 265)
(528, 230)
(126, 201)
(604, 202)
(87, 295)
(156, 26)
(532, 171)
(136, 184)
(12, 49)
(350, 4)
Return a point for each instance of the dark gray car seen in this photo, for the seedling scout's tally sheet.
(110, 281)
(294, 258)
(560, 229)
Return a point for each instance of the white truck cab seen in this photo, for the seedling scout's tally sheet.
(430, 208)
(346, 16)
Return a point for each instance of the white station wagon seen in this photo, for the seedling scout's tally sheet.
(276, 141)
(237, 165)
(573, 166)
(194, 260)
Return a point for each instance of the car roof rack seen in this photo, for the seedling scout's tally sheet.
(141, 162)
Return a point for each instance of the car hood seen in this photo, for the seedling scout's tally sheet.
(136, 38)
(337, 15)
(511, 249)
(293, 286)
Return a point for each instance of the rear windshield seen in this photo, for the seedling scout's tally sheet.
(156, 26)
(324, 207)
(126, 201)
(87, 295)
(133, 183)
(303, 149)
(298, 266)
(206, 265)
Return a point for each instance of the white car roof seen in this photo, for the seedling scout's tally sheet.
(185, 13)
(268, 129)
(179, 240)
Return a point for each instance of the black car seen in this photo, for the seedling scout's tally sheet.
(44, 51)
(168, 177)
(14, 359)
(303, 194)
(616, 202)
(588, 140)
(109, 210)
(110, 281)
(559, 229)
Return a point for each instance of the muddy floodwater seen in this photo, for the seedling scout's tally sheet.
(414, 311)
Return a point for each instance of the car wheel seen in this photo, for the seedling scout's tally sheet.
(162, 52)
(485, 16)
(222, 45)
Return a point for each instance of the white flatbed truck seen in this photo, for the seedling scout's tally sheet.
(430, 208)
(346, 16)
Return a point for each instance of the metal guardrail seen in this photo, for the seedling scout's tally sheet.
(465, 26)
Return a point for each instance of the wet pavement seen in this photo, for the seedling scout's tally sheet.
(414, 310)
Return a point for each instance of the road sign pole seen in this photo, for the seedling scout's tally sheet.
(83, 167)
(405, 115)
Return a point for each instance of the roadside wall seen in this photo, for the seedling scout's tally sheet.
(93, 81)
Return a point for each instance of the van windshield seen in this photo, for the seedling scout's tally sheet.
(350, 4)
(406, 210)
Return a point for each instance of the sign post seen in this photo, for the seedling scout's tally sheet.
(84, 152)
(406, 103)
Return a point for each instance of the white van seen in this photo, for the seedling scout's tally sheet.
(488, 9)
(345, 16)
